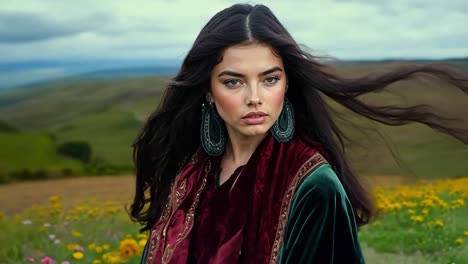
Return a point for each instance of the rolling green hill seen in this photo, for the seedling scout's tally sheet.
(33, 151)
(45, 107)
(108, 114)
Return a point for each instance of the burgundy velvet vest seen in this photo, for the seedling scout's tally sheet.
(241, 221)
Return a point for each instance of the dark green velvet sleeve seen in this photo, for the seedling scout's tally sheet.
(321, 227)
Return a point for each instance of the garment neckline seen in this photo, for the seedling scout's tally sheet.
(233, 176)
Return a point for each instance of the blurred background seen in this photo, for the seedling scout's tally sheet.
(79, 78)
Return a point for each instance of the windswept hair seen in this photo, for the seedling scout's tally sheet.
(172, 132)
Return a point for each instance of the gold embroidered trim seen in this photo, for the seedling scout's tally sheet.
(189, 219)
(158, 235)
(310, 165)
(176, 196)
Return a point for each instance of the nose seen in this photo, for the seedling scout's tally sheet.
(253, 98)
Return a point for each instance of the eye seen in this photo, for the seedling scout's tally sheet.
(271, 80)
(232, 82)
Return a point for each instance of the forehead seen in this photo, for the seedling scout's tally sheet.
(248, 58)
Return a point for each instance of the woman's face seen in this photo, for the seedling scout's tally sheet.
(247, 88)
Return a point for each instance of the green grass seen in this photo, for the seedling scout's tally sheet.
(110, 134)
(32, 151)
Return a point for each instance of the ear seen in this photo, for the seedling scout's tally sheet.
(209, 97)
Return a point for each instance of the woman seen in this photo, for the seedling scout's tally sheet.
(240, 163)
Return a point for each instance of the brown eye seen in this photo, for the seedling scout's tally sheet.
(271, 80)
(232, 82)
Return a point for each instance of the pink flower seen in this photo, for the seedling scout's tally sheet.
(47, 260)
(46, 224)
(30, 259)
(65, 262)
(52, 236)
(78, 248)
(27, 222)
(57, 241)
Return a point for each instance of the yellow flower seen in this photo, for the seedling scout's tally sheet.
(142, 236)
(425, 211)
(106, 246)
(71, 246)
(76, 233)
(417, 218)
(465, 233)
(78, 255)
(55, 199)
(97, 261)
(411, 211)
(427, 202)
(439, 223)
(458, 203)
(91, 246)
(129, 248)
(112, 210)
(112, 258)
(98, 249)
(459, 241)
(142, 243)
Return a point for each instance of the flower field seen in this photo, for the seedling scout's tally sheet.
(427, 219)
(90, 232)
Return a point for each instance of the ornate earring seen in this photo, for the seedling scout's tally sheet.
(212, 134)
(283, 129)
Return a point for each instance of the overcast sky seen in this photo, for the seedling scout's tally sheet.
(165, 29)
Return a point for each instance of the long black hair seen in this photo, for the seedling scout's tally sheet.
(171, 133)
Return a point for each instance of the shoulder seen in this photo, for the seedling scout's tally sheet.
(322, 183)
(304, 155)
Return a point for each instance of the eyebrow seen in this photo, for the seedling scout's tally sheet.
(236, 74)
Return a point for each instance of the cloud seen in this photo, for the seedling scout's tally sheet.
(23, 27)
(156, 29)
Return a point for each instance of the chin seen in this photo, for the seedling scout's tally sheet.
(256, 132)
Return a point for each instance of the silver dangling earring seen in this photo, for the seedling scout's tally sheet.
(212, 133)
(283, 129)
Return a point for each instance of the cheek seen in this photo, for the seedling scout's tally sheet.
(277, 102)
(226, 103)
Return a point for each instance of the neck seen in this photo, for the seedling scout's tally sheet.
(240, 149)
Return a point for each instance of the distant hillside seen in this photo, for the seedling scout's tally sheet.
(49, 106)
(28, 74)
(459, 62)
(105, 113)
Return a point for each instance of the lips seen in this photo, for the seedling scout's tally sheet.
(254, 118)
(254, 115)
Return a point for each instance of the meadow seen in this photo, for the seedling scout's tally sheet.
(84, 221)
